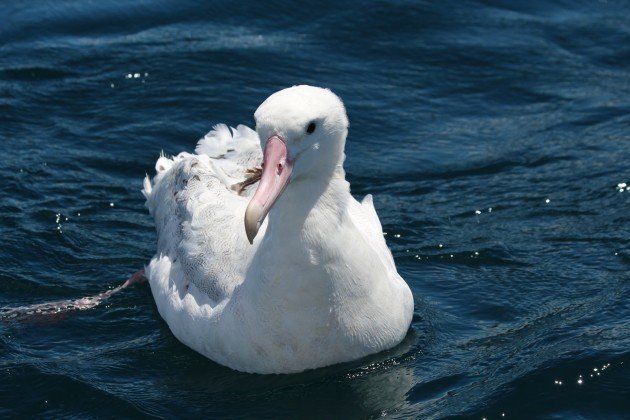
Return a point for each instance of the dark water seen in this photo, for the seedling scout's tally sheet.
(456, 108)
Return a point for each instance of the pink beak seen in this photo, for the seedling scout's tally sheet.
(275, 177)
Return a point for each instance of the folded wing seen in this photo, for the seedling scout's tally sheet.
(199, 212)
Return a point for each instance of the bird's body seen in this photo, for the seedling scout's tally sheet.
(317, 286)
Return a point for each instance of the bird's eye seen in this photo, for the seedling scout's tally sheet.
(311, 128)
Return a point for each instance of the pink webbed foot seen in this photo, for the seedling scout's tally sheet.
(57, 308)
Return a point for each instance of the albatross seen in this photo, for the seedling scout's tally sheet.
(265, 262)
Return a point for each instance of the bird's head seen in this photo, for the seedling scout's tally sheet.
(302, 131)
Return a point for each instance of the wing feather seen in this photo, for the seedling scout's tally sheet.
(199, 217)
(364, 217)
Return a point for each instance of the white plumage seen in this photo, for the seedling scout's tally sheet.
(318, 286)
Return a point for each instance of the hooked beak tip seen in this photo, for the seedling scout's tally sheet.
(253, 215)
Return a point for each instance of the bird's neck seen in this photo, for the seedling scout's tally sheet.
(307, 201)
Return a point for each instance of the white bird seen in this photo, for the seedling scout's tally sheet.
(309, 281)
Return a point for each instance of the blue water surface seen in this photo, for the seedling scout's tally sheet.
(494, 136)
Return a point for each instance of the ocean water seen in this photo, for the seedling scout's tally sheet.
(494, 136)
